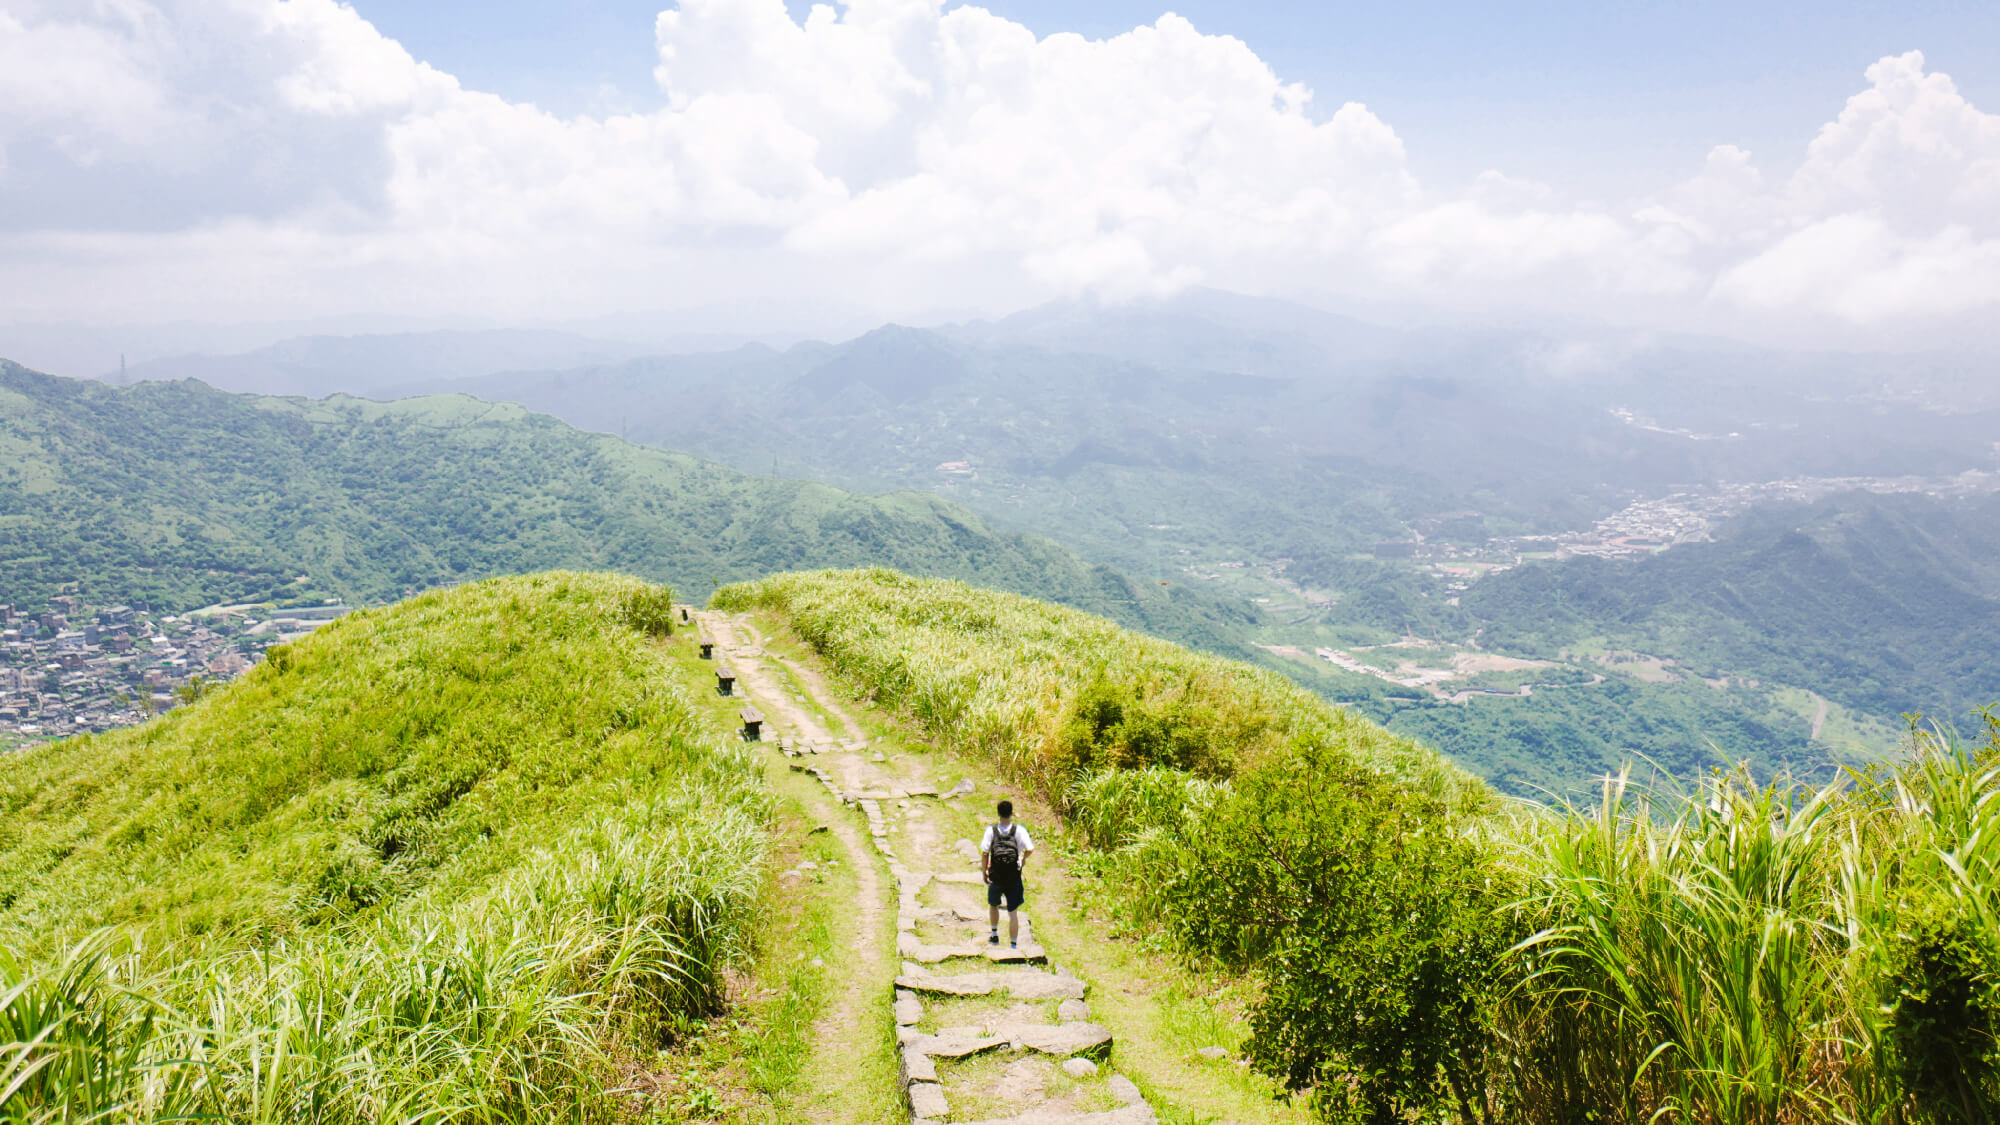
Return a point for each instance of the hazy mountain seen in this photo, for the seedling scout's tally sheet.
(181, 495)
(316, 366)
(1885, 603)
(1095, 446)
(1201, 330)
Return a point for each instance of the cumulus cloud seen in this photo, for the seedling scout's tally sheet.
(278, 157)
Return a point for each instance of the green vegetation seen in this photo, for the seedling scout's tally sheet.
(471, 857)
(178, 496)
(1741, 953)
(1884, 603)
(1559, 740)
(1058, 694)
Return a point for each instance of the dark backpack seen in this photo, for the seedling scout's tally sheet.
(1005, 852)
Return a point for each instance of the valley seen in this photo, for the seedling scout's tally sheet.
(1171, 468)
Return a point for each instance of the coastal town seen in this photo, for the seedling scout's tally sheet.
(69, 668)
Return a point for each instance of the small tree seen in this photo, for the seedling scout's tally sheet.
(1374, 920)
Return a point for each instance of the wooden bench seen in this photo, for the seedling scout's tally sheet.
(725, 680)
(753, 722)
(707, 649)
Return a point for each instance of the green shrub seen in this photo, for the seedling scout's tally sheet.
(1371, 917)
(650, 609)
(1942, 993)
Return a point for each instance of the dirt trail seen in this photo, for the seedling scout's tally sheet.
(848, 1017)
(1819, 719)
(986, 1032)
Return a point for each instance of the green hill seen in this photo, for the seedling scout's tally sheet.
(1883, 603)
(468, 851)
(178, 495)
(1062, 695)
(1739, 953)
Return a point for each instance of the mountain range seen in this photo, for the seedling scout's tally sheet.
(1368, 484)
(179, 495)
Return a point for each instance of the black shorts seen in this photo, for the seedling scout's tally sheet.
(1005, 885)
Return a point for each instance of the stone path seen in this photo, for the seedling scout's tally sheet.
(987, 1033)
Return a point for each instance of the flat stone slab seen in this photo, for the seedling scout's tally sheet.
(1122, 1088)
(917, 1067)
(909, 1011)
(1028, 954)
(909, 947)
(960, 1046)
(1073, 1010)
(1024, 985)
(1062, 1040)
(959, 877)
(1127, 1115)
(927, 1100)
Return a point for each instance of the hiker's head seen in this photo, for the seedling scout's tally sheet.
(1006, 810)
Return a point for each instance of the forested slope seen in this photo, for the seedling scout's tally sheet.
(179, 495)
(1884, 603)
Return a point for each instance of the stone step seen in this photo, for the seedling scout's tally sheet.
(1022, 984)
(908, 947)
(1059, 1040)
(1124, 1115)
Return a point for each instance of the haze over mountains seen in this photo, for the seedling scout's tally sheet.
(1320, 492)
(180, 496)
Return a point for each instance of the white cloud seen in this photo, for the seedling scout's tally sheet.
(1857, 267)
(278, 157)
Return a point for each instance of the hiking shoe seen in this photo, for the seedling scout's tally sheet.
(1013, 945)
(993, 939)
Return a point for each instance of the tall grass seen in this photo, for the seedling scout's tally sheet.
(1743, 952)
(464, 859)
(1059, 695)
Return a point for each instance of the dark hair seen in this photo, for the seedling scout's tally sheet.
(1006, 810)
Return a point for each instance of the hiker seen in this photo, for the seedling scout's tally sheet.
(1003, 852)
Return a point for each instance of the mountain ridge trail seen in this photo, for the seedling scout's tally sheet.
(984, 1032)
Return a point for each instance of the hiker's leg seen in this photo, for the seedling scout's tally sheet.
(1013, 926)
(993, 916)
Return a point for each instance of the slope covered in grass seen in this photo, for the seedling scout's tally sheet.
(453, 857)
(1062, 694)
(1742, 953)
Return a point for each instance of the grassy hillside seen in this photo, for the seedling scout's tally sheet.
(1062, 695)
(178, 495)
(1739, 953)
(461, 857)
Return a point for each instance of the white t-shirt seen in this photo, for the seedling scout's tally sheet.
(1021, 840)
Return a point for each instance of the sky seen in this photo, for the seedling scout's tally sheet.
(1823, 174)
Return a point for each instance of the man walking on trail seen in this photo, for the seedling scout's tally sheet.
(1003, 853)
